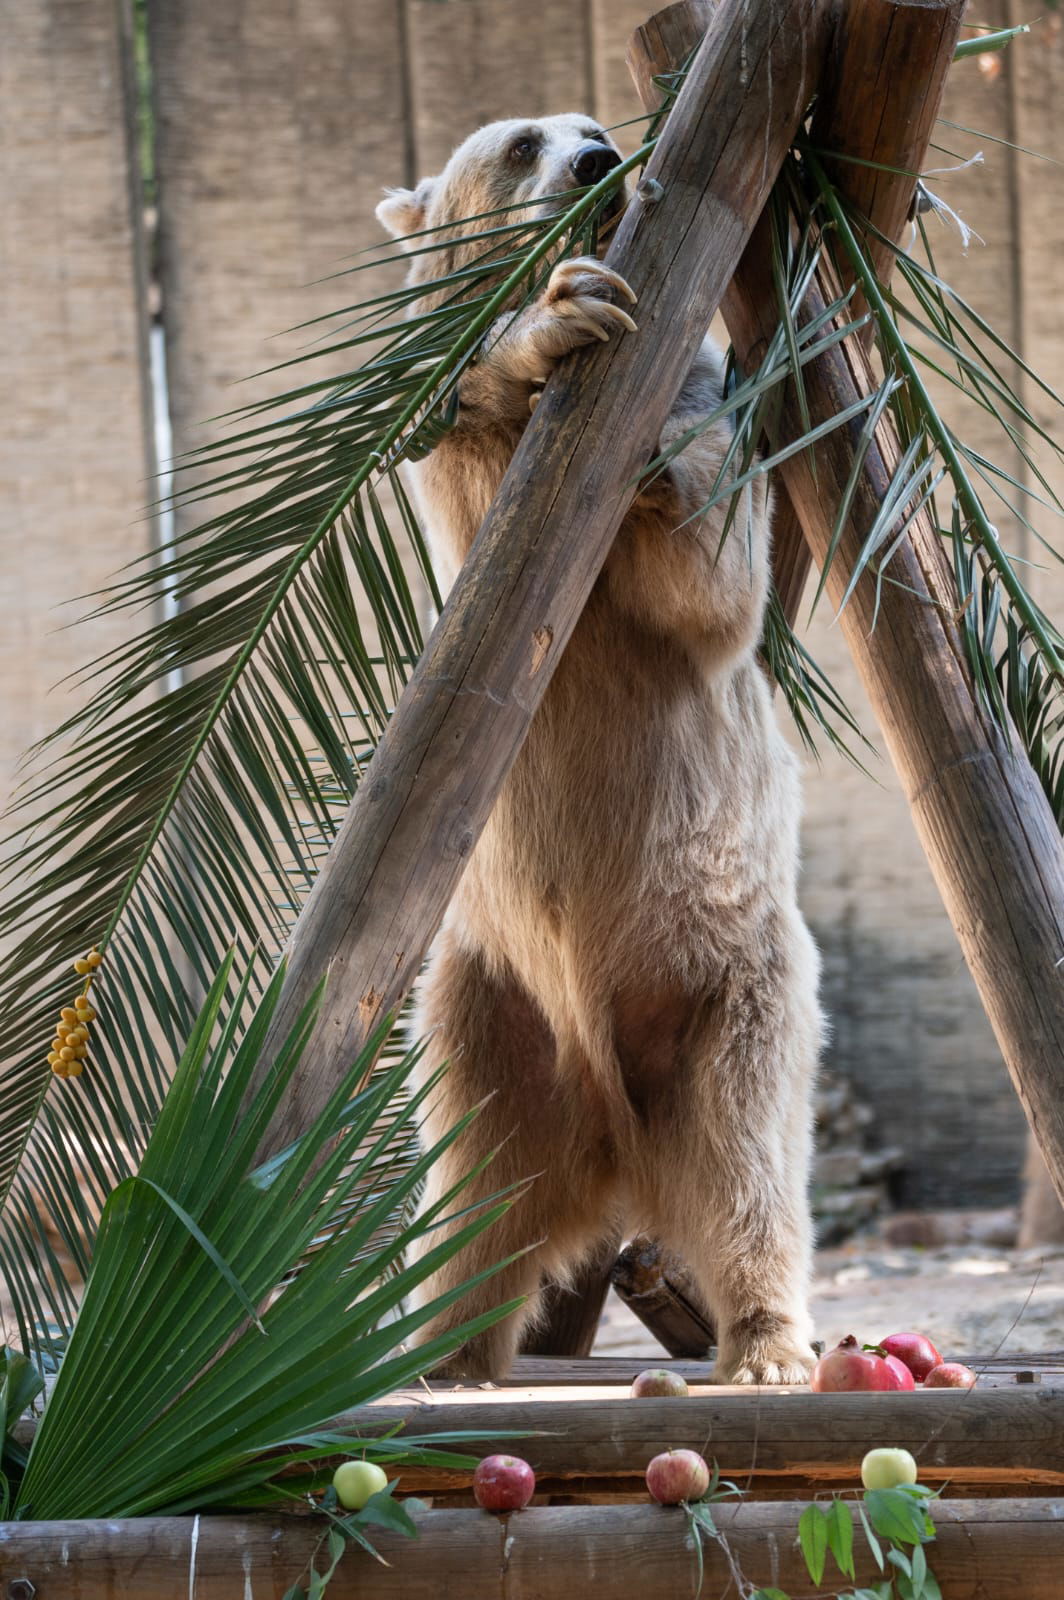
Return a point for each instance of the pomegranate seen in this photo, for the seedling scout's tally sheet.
(950, 1375)
(901, 1377)
(503, 1483)
(657, 1382)
(915, 1350)
(849, 1367)
(677, 1475)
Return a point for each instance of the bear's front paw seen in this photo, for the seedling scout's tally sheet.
(579, 302)
(764, 1349)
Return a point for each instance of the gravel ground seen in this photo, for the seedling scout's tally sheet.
(970, 1299)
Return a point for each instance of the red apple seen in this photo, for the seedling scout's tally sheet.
(657, 1382)
(849, 1367)
(503, 1483)
(915, 1350)
(677, 1475)
(900, 1376)
(950, 1375)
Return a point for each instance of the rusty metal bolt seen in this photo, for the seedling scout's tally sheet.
(21, 1589)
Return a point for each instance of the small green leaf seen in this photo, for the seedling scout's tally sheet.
(337, 1545)
(296, 1592)
(769, 1594)
(813, 1538)
(895, 1515)
(381, 1509)
(919, 1570)
(873, 1543)
(840, 1536)
(931, 1590)
(701, 1514)
(899, 1559)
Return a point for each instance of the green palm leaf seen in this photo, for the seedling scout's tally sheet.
(200, 1354)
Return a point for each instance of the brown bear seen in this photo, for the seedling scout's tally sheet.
(623, 975)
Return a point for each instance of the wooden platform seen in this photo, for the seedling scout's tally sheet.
(997, 1452)
(589, 1441)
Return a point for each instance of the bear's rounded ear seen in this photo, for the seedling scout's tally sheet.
(403, 211)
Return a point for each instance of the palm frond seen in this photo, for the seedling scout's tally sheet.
(200, 1354)
(932, 325)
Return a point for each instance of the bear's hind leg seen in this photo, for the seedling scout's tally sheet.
(728, 1153)
(502, 1051)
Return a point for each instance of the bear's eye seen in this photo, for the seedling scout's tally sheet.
(523, 149)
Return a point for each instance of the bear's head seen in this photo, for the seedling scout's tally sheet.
(520, 162)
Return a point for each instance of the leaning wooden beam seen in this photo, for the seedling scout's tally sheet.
(876, 110)
(985, 824)
(656, 1286)
(982, 1547)
(461, 720)
(570, 1312)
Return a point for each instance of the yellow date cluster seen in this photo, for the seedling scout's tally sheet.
(71, 1043)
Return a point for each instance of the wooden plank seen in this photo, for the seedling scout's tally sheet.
(75, 448)
(463, 716)
(484, 59)
(979, 1436)
(619, 1371)
(1012, 1551)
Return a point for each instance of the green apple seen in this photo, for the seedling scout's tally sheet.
(886, 1469)
(355, 1481)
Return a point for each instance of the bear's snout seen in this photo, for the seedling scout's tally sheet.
(590, 162)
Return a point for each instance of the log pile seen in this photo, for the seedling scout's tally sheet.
(850, 1174)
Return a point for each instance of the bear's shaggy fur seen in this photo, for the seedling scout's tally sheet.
(623, 971)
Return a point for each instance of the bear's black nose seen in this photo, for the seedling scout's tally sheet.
(591, 162)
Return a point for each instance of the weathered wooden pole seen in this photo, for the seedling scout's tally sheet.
(979, 810)
(876, 109)
(461, 720)
(982, 1547)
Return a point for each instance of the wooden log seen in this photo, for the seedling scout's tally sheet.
(876, 109)
(462, 718)
(571, 1311)
(657, 1287)
(985, 1436)
(1012, 1551)
(600, 1372)
(979, 810)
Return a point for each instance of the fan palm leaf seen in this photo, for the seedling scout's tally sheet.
(201, 1361)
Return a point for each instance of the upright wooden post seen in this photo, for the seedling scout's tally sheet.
(463, 716)
(979, 810)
